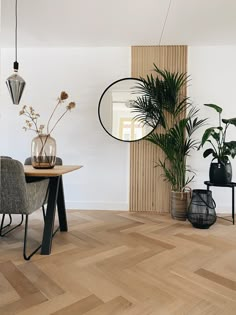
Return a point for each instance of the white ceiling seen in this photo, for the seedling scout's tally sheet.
(118, 22)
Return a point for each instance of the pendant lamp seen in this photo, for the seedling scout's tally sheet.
(15, 83)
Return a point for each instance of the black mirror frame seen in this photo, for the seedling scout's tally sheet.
(113, 83)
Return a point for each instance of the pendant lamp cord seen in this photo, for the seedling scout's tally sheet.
(16, 64)
(164, 24)
(16, 30)
(15, 83)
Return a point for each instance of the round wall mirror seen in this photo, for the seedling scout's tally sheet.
(116, 112)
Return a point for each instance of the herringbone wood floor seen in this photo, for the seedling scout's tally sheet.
(112, 263)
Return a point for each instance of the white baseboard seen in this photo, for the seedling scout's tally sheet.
(223, 210)
(96, 206)
(121, 206)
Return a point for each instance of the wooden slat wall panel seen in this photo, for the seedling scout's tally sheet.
(148, 191)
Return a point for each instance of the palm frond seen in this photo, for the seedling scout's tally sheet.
(148, 112)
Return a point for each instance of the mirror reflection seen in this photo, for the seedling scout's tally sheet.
(117, 114)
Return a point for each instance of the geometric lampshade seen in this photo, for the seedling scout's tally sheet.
(16, 85)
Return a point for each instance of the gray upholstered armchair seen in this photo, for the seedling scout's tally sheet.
(18, 196)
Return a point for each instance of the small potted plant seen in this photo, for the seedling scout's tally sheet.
(220, 169)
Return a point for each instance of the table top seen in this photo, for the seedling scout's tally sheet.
(232, 184)
(58, 170)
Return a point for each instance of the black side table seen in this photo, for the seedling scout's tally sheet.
(230, 185)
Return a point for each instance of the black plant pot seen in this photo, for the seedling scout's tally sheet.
(220, 174)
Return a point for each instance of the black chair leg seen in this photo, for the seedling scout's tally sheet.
(26, 234)
(7, 225)
(25, 241)
(44, 212)
(2, 223)
(2, 233)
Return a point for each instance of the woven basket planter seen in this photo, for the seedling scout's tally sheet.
(179, 204)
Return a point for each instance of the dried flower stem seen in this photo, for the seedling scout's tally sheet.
(59, 120)
(27, 114)
(59, 102)
(43, 145)
(32, 116)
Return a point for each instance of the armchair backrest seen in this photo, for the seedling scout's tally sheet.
(12, 186)
(18, 196)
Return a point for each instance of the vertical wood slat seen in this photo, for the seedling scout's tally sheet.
(148, 191)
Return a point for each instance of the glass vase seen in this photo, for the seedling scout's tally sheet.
(43, 151)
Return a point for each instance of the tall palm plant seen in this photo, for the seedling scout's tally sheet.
(177, 143)
(161, 103)
(159, 96)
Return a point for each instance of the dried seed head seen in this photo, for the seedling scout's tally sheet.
(71, 105)
(63, 96)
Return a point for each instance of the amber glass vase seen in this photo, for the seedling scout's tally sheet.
(43, 151)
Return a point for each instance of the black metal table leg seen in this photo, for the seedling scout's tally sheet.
(50, 215)
(229, 185)
(233, 204)
(61, 208)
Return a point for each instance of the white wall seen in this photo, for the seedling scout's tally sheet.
(212, 71)
(103, 182)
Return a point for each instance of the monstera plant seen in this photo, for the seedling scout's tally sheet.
(163, 103)
(220, 149)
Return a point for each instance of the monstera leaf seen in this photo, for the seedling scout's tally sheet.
(231, 121)
(208, 152)
(210, 132)
(216, 107)
(231, 146)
